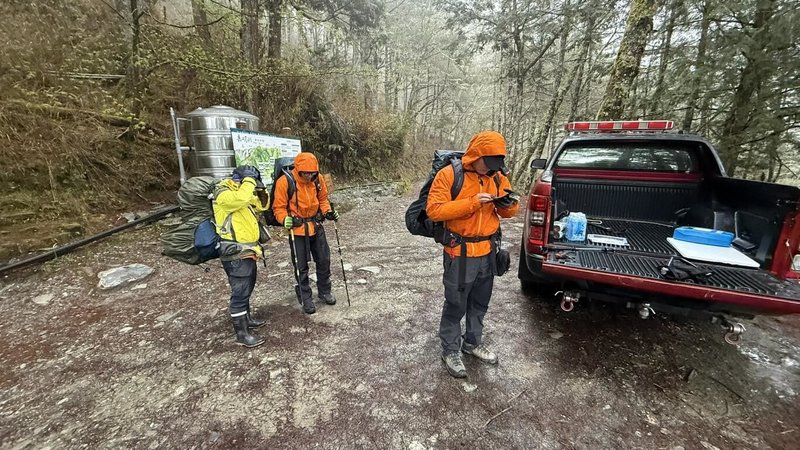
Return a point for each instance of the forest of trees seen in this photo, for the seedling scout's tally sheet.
(370, 82)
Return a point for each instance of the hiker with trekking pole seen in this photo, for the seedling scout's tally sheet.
(301, 204)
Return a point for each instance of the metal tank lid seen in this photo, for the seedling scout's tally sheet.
(220, 111)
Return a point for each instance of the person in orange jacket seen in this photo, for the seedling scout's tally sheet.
(303, 213)
(472, 225)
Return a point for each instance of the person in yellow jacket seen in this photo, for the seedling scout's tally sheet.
(472, 224)
(238, 203)
(302, 211)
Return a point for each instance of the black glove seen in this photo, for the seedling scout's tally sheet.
(263, 197)
(681, 270)
(510, 199)
(242, 172)
(332, 215)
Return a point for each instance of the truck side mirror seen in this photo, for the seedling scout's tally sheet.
(538, 164)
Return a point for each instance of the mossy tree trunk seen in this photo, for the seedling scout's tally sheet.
(275, 32)
(699, 67)
(134, 72)
(675, 7)
(252, 43)
(638, 27)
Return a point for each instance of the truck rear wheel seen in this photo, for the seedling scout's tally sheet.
(533, 283)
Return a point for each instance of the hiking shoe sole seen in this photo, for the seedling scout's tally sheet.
(250, 346)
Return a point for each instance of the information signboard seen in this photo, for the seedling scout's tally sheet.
(261, 149)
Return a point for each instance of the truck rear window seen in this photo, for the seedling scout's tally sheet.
(640, 156)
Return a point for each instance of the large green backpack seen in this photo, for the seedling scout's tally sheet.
(195, 240)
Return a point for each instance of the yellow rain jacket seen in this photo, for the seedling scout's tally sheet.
(236, 212)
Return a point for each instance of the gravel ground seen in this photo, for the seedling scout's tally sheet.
(153, 364)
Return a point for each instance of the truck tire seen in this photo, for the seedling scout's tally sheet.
(532, 283)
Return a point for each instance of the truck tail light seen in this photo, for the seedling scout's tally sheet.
(794, 269)
(537, 218)
(538, 212)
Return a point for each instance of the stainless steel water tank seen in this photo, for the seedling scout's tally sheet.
(210, 137)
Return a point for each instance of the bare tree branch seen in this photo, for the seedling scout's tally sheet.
(183, 27)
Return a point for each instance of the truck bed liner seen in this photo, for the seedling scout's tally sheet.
(755, 281)
(645, 237)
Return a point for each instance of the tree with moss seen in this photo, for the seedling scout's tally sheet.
(638, 27)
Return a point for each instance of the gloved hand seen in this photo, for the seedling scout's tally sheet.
(288, 223)
(332, 215)
(243, 172)
(510, 199)
(263, 197)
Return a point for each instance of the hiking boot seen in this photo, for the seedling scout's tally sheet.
(243, 335)
(454, 365)
(328, 298)
(252, 322)
(308, 306)
(481, 352)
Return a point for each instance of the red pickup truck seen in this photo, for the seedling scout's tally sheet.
(636, 182)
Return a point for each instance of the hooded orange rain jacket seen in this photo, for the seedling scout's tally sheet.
(465, 215)
(306, 202)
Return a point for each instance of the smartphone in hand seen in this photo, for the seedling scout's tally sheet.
(510, 195)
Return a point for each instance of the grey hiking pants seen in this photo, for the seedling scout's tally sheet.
(473, 301)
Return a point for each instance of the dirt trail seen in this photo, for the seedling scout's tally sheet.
(154, 365)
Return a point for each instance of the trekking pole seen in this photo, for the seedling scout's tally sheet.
(341, 260)
(294, 264)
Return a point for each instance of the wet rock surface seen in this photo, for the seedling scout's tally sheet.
(157, 366)
(121, 276)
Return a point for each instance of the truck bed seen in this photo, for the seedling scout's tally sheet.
(644, 237)
(649, 249)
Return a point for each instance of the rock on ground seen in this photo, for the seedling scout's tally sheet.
(120, 276)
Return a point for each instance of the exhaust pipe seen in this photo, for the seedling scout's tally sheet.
(568, 299)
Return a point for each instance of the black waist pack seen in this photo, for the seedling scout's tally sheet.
(679, 269)
(502, 262)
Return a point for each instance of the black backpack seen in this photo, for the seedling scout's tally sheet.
(417, 220)
(283, 167)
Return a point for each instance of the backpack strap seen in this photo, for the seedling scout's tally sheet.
(291, 185)
(319, 188)
(226, 227)
(458, 178)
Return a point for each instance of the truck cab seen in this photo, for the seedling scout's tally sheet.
(636, 182)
